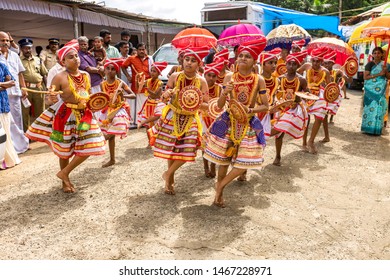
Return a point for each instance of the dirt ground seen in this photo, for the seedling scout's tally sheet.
(334, 205)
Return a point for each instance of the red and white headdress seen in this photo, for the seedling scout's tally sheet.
(254, 47)
(298, 44)
(116, 62)
(298, 57)
(198, 52)
(215, 67)
(71, 45)
(319, 53)
(330, 56)
(160, 66)
(223, 54)
(266, 56)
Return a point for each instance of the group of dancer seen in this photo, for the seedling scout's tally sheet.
(229, 115)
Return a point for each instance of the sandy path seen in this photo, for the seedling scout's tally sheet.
(333, 205)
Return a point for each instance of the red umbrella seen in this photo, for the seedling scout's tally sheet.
(236, 34)
(194, 37)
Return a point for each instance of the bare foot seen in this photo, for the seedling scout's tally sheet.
(325, 140)
(218, 200)
(312, 148)
(346, 97)
(169, 185)
(67, 186)
(305, 148)
(277, 161)
(242, 177)
(109, 163)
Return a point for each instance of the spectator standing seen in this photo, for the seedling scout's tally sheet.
(88, 63)
(34, 77)
(15, 94)
(125, 37)
(11, 158)
(111, 51)
(140, 65)
(124, 48)
(48, 57)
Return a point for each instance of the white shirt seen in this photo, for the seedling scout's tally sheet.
(57, 68)
(15, 66)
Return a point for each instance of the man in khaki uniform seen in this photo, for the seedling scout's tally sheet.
(34, 78)
(48, 57)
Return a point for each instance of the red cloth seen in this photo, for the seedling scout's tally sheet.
(298, 57)
(265, 56)
(254, 47)
(160, 66)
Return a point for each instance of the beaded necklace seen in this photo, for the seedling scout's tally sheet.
(272, 85)
(110, 88)
(315, 77)
(214, 91)
(153, 85)
(294, 84)
(79, 85)
(244, 92)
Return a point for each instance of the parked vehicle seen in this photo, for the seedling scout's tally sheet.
(169, 54)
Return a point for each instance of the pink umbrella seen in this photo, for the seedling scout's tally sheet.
(236, 34)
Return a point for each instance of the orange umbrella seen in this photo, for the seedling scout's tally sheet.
(378, 28)
(194, 37)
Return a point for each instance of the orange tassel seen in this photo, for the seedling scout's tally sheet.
(230, 151)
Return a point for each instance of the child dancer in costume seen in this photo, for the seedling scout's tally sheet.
(337, 76)
(268, 61)
(236, 137)
(293, 119)
(223, 56)
(114, 120)
(153, 88)
(317, 78)
(68, 126)
(211, 72)
(176, 136)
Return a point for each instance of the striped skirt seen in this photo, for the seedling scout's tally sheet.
(318, 108)
(293, 122)
(147, 111)
(248, 154)
(118, 125)
(333, 107)
(170, 147)
(75, 142)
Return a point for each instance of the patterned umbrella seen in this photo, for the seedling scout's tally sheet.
(194, 37)
(236, 34)
(283, 36)
(343, 49)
